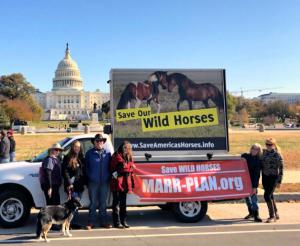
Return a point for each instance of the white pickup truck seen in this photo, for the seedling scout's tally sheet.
(20, 189)
(19, 184)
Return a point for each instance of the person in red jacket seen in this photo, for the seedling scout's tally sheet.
(122, 182)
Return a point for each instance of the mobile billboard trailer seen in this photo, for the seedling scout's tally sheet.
(176, 122)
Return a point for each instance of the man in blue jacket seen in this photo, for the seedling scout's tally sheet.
(98, 174)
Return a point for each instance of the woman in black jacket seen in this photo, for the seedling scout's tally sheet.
(73, 171)
(272, 172)
(254, 166)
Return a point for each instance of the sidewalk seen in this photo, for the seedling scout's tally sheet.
(289, 177)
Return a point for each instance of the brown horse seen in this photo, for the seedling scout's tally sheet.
(143, 91)
(191, 91)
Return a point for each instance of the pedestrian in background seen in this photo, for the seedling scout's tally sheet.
(73, 171)
(253, 159)
(50, 175)
(12, 150)
(272, 173)
(4, 147)
(97, 171)
(122, 182)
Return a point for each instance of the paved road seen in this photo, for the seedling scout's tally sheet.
(152, 226)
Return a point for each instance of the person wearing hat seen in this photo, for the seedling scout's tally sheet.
(4, 147)
(98, 174)
(272, 173)
(12, 150)
(51, 175)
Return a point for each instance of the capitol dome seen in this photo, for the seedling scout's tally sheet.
(67, 74)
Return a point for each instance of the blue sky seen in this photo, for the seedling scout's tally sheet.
(256, 41)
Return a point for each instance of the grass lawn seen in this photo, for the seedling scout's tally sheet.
(289, 141)
(240, 142)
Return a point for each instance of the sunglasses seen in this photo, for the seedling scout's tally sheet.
(269, 144)
(57, 149)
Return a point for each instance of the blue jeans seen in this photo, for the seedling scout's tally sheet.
(252, 202)
(98, 196)
(4, 160)
(12, 156)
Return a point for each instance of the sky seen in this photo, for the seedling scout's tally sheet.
(256, 41)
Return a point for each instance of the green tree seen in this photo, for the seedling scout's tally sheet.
(231, 105)
(279, 109)
(15, 86)
(16, 99)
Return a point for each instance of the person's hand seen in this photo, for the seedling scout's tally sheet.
(70, 187)
(254, 190)
(50, 192)
(278, 186)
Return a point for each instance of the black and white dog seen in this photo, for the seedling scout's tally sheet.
(59, 215)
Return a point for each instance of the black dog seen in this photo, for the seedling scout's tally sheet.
(59, 215)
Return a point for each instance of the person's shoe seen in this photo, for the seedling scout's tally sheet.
(256, 216)
(125, 225)
(118, 226)
(89, 227)
(271, 219)
(249, 216)
(106, 226)
(277, 216)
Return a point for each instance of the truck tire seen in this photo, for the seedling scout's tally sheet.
(14, 208)
(190, 212)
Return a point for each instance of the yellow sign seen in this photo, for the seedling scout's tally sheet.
(132, 113)
(180, 119)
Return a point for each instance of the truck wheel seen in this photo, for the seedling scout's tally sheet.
(14, 209)
(190, 212)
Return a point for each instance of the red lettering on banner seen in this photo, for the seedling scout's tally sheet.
(188, 181)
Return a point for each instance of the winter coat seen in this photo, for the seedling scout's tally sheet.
(272, 164)
(124, 180)
(4, 148)
(254, 167)
(97, 166)
(77, 174)
(52, 172)
(12, 145)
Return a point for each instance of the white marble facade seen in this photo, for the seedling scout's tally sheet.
(68, 100)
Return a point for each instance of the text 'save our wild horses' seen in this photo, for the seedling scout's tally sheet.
(191, 91)
(145, 91)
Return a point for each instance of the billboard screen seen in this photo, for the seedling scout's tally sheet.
(182, 110)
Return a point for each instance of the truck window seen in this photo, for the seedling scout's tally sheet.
(43, 155)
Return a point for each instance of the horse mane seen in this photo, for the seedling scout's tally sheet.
(126, 97)
(179, 77)
(158, 73)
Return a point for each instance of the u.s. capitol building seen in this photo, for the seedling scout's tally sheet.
(68, 100)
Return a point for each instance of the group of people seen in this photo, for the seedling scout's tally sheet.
(7, 146)
(269, 163)
(97, 170)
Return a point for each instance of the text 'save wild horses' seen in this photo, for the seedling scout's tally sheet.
(191, 91)
(143, 91)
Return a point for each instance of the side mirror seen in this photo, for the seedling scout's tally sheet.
(148, 156)
(107, 129)
(209, 156)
